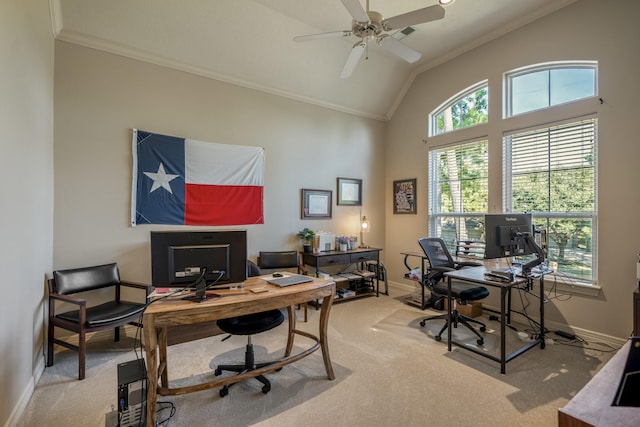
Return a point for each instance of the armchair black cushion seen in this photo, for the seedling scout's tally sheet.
(111, 314)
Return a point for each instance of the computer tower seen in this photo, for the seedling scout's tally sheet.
(132, 393)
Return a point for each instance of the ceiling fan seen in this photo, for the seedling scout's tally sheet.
(370, 25)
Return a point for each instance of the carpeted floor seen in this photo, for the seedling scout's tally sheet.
(389, 372)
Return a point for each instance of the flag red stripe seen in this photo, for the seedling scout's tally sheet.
(223, 204)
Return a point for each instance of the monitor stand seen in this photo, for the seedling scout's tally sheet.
(201, 294)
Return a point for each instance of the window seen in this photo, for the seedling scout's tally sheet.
(551, 172)
(466, 109)
(458, 191)
(538, 87)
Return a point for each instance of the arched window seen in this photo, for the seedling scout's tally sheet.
(542, 86)
(467, 108)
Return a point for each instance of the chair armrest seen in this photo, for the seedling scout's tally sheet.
(68, 298)
(442, 268)
(462, 264)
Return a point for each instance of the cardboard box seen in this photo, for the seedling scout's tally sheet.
(470, 309)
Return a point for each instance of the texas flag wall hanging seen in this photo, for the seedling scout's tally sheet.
(182, 181)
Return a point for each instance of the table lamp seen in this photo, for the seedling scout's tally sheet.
(364, 227)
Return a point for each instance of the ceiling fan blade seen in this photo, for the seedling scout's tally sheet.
(353, 59)
(333, 34)
(420, 16)
(399, 49)
(356, 10)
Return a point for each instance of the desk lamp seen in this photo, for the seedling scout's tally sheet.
(364, 227)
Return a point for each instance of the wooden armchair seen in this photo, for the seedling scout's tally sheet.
(111, 314)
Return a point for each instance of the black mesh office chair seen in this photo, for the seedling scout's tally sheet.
(249, 325)
(440, 261)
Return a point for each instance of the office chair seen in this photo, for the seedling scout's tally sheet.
(440, 262)
(249, 325)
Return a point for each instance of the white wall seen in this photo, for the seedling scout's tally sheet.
(100, 97)
(26, 191)
(586, 30)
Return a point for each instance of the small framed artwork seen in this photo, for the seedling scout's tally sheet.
(404, 196)
(316, 204)
(350, 191)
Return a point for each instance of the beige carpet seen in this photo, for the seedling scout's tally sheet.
(389, 372)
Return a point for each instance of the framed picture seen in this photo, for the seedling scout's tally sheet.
(404, 196)
(316, 204)
(350, 191)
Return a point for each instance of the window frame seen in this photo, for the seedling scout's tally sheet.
(507, 90)
(507, 189)
(433, 116)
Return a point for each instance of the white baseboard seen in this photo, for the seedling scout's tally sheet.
(585, 334)
(21, 405)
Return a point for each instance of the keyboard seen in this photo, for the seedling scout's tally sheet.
(290, 280)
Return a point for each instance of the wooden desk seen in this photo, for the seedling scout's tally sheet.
(592, 405)
(476, 275)
(175, 311)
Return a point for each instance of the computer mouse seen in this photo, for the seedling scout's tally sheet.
(277, 275)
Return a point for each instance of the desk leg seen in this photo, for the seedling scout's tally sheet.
(541, 283)
(450, 325)
(162, 356)
(151, 347)
(503, 295)
(324, 339)
(292, 326)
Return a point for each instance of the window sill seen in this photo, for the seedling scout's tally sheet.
(565, 286)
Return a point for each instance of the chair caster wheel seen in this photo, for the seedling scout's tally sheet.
(438, 338)
(480, 342)
(483, 329)
(217, 372)
(266, 389)
(422, 323)
(224, 391)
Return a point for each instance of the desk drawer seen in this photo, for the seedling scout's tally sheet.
(364, 256)
(333, 260)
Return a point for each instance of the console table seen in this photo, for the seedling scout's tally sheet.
(317, 260)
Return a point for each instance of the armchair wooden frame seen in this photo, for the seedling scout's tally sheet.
(83, 320)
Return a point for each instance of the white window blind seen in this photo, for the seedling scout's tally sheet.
(458, 191)
(551, 172)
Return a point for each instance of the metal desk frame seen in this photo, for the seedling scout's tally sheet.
(476, 275)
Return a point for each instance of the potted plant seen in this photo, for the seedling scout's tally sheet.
(307, 238)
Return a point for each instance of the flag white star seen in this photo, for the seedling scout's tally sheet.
(161, 179)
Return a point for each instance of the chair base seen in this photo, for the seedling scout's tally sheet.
(456, 318)
(249, 365)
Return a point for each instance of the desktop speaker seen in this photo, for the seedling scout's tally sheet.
(132, 393)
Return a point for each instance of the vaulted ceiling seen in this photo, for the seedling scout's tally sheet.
(250, 42)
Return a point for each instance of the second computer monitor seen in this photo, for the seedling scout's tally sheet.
(505, 235)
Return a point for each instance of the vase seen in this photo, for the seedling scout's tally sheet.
(343, 246)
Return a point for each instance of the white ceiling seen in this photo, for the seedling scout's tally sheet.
(250, 42)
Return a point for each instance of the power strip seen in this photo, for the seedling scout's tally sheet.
(567, 335)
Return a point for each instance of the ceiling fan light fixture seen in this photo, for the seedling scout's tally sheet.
(445, 2)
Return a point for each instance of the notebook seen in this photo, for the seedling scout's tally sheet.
(290, 280)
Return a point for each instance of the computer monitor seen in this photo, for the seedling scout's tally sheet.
(178, 259)
(505, 235)
(509, 235)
